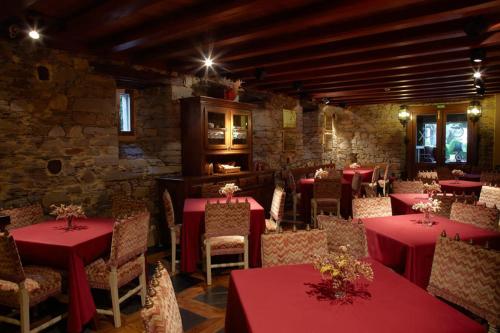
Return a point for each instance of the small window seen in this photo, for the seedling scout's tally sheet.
(126, 112)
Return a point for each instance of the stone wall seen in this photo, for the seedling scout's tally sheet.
(487, 132)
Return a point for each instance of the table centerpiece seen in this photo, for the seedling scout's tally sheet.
(68, 213)
(228, 191)
(321, 174)
(432, 188)
(354, 166)
(431, 205)
(457, 173)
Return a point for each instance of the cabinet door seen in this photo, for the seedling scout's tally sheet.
(217, 128)
(241, 129)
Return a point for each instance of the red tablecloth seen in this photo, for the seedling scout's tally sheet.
(402, 244)
(402, 202)
(366, 174)
(306, 189)
(460, 186)
(48, 244)
(193, 227)
(278, 299)
(473, 177)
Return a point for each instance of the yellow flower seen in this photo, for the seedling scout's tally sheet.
(335, 272)
(325, 268)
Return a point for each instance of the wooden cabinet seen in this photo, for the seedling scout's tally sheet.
(215, 131)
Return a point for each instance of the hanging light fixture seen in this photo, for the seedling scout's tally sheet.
(474, 111)
(477, 55)
(404, 115)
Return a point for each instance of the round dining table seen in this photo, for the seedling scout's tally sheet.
(461, 186)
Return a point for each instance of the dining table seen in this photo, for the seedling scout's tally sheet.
(51, 244)
(295, 298)
(406, 245)
(193, 227)
(461, 186)
(402, 203)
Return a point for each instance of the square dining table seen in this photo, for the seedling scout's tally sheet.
(193, 227)
(402, 203)
(50, 244)
(286, 299)
(405, 245)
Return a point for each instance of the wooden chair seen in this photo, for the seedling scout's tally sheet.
(289, 248)
(161, 311)
(24, 287)
(490, 196)
(126, 262)
(356, 185)
(371, 187)
(227, 226)
(467, 275)
(23, 216)
(371, 207)
(479, 216)
(344, 232)
(123, 206)
(490, 177)
(326, 197)
(296, 197)
(408, 186)
(277, 209)
(384, 182)
(175, 229)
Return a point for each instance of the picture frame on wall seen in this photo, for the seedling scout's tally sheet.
(289, 118)
(328, 142)
(289, 141)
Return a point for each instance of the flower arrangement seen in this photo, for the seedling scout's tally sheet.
(457, 173)
(228, 190)
(354, 166)
(320, 173)
(432, 188)
(67, 212)
(343, 269)
(431, 205)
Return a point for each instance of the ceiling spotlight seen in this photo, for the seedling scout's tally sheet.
(481, 91)
(208, 62)
(477, 55)
(326, 100)
(477, 75)
(34, 34)
(478, 83)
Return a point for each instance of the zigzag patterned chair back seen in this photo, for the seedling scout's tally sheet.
(467, 275)
(169, 209)
(446, 201)
(371, 207)
(479, 216)
(490, 196)
(408, 186)
(490, 177)
(427, 177)
(327, 188)
(344, 232)
(11, 268)
(123, 206)
(288, 248)
(278, 204)
(227, 219)
(23, 216)
(161, 313)
(130, 238)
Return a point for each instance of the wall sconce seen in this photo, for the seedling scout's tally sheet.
(404, 115)
(474, 111)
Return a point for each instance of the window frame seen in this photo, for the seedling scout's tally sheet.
(126, 135)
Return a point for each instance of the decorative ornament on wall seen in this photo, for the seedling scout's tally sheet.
(289, 118)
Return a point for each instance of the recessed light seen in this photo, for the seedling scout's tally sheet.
(34, 34)
(477, 55)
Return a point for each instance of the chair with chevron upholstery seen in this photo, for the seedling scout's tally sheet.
(446, 200)
(490, 196)
(277, 209)
(123, 206)
(292, 247)
(427, 176)
(371, 207)
(175, 229)
(477, 215)
(408, 186)
(344, 232)
(24, 287)
(23, 216)
(467, 275)
(126, 262)
(327, 193)
(161, 312)
(227, 226)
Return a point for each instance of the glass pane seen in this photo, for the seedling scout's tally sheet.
(125, 117)
(240, 129)
(456, 138)
(425, 148)
(216, 128)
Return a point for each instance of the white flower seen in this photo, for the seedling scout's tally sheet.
(354, 166)
(432, 205)
(457, 172)
(320, 173)
(66, 211)
(229, 189)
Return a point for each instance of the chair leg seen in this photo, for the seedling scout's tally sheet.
(338, 208)
(173, 238)
(115, 299)
(142, 282)
(245, 254)
(314, 209)
(294, 208)
(209, 261)
(24, 309)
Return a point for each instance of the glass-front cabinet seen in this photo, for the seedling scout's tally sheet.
(227, 129)
(240, 129)
(216, 129)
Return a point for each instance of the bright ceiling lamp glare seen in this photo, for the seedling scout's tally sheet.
(477, 75)
(477, 55)
(208, 62)
(34, 34)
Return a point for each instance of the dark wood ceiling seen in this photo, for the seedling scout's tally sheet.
(355, 52)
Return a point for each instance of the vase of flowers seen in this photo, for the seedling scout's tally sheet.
(354, 166)
(343, 269)
(68, 213)
(228, 191)
(457, 173)
(432, 188)
(431, 205)
(321, 174)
